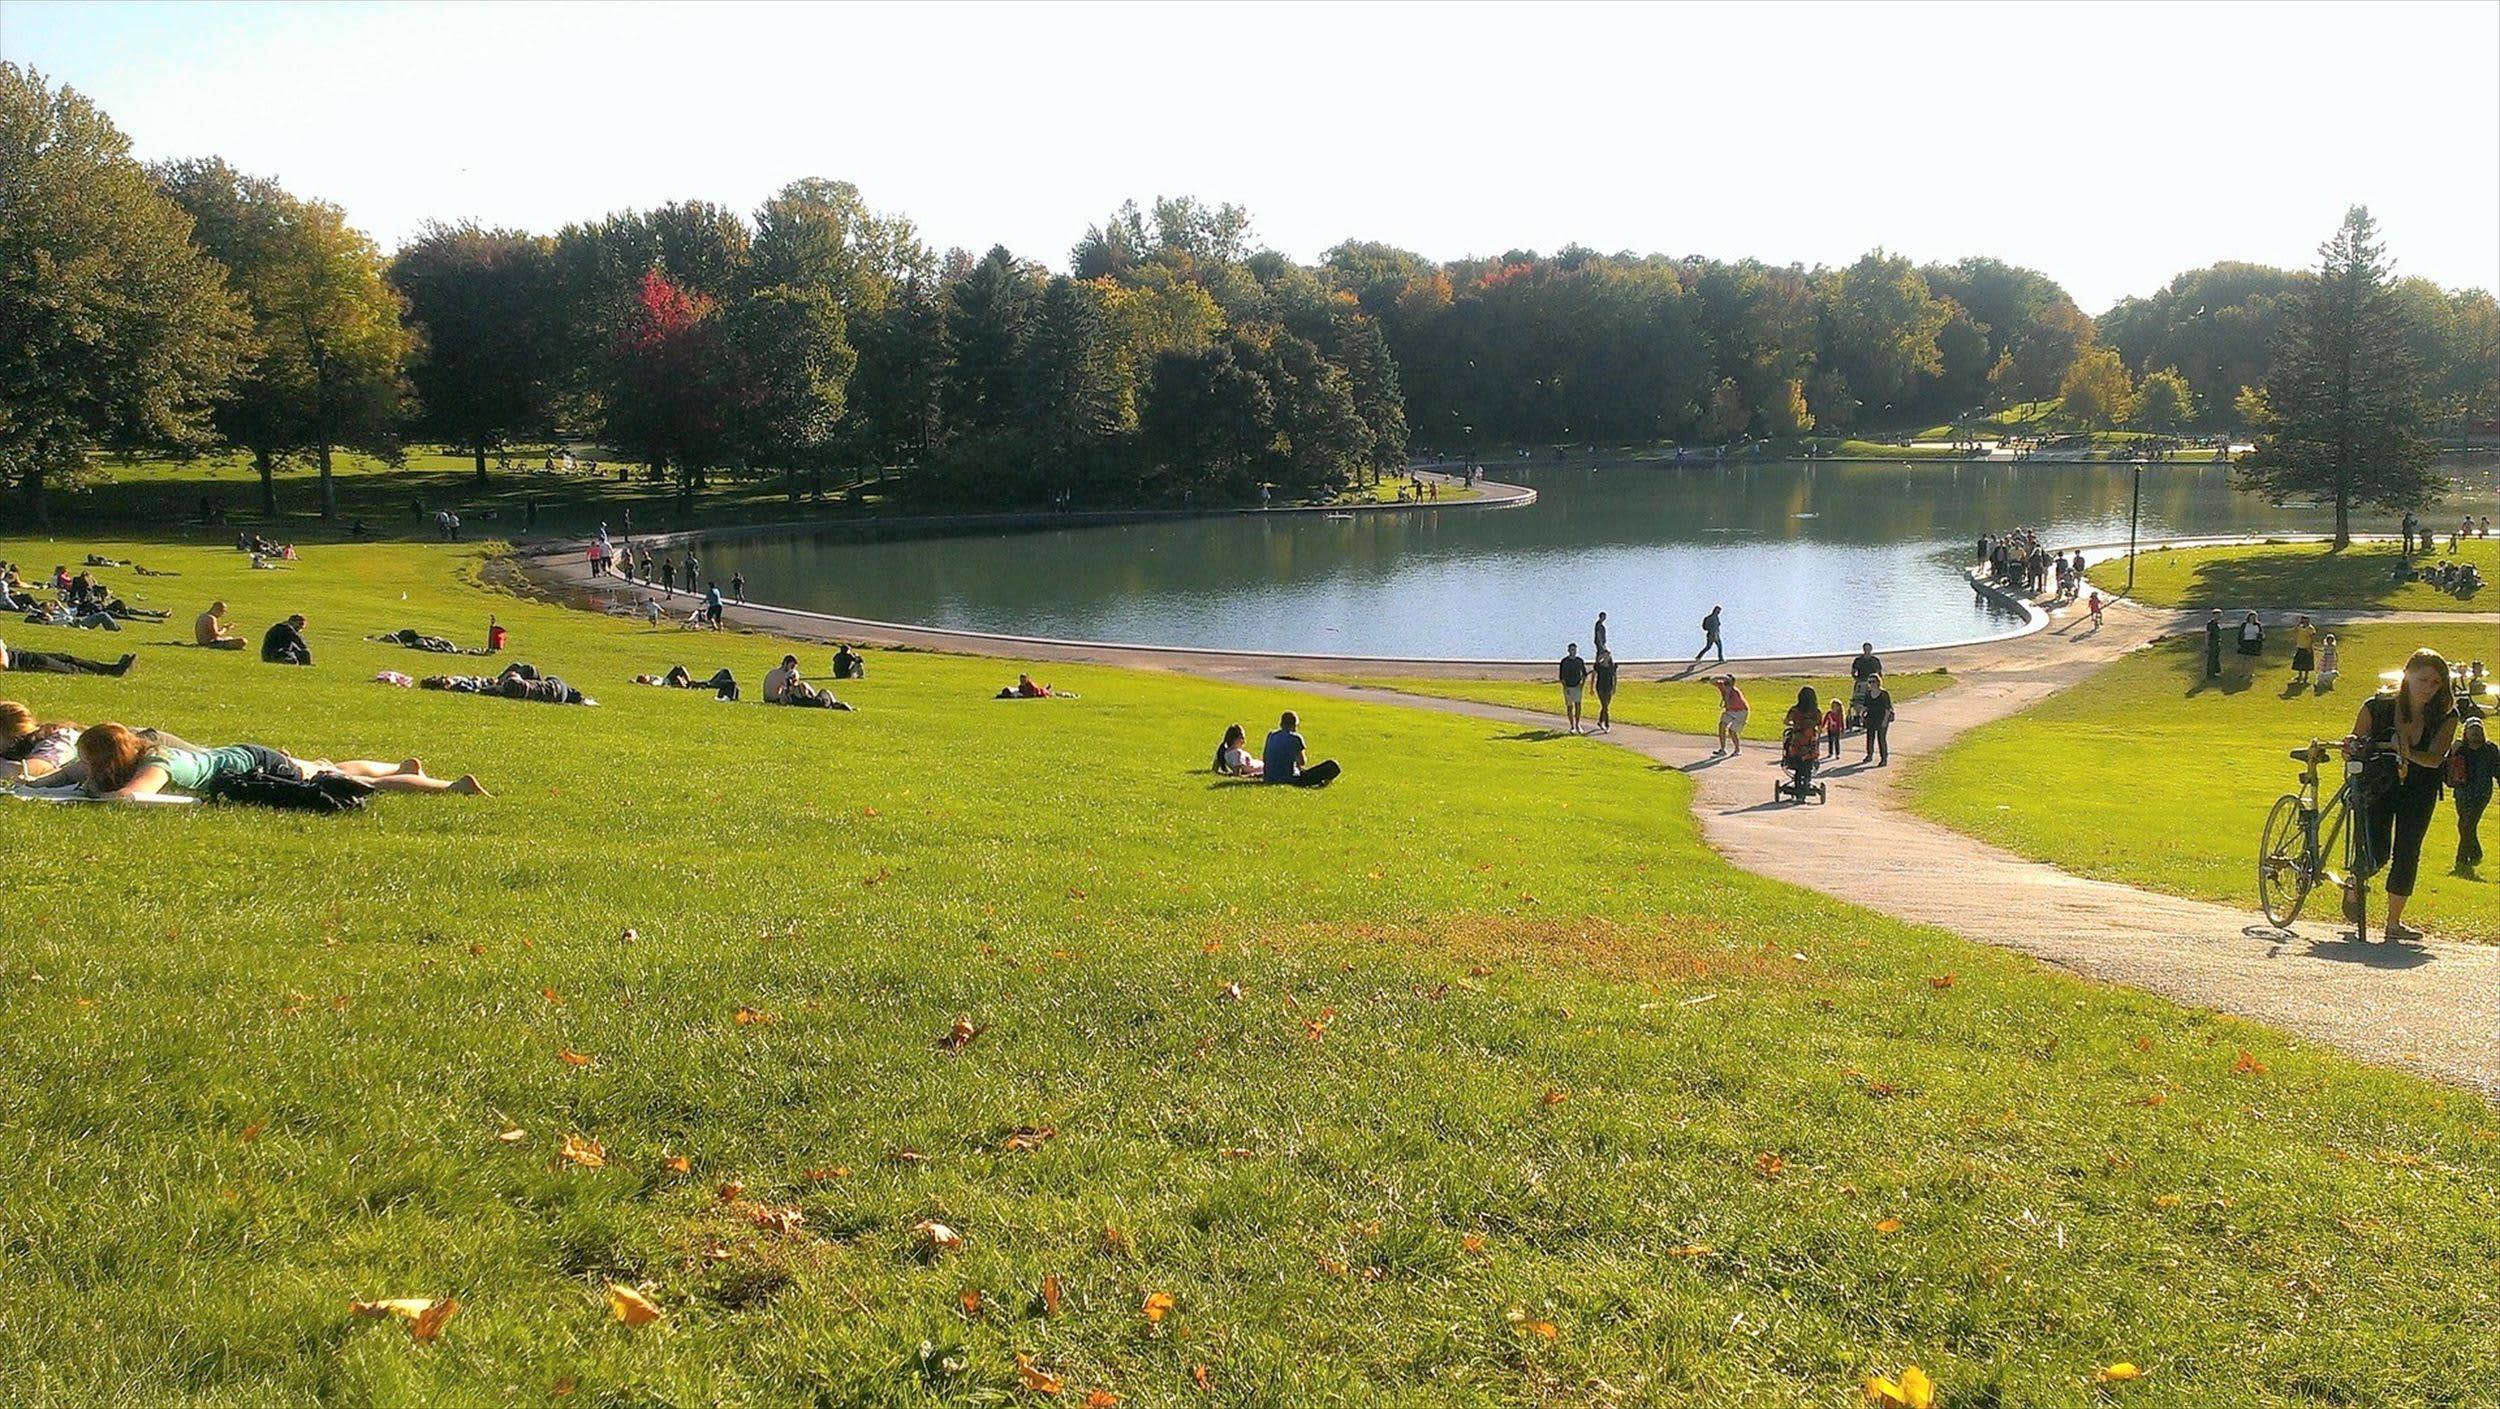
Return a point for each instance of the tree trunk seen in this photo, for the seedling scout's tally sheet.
(481, 464)
(268, 484)
(37, 511)
(2343, 521)
(329, 486)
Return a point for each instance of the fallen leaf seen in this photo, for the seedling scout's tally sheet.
(972, 1302)
(1034, 1377)
(1769, 1165)
(513, 1136)
(1212, 946)
(629, 936)
(785, 1221)
(1913, 1391)
(935, 1236)
(1230, 993)
(1941, 980)
(252, 1131)
(429, 1323)
(905, 1155)
(552, 996)
(2119, 1373)
(425, 1315)
(1238, 1152)
(1887, 1225)
(747, 1016)
(1546, 1329)
(630, 1306)
(1026, 1137)
(959, 1036)
(730, 1191)
(584, 1151)
(868, 812)
(1100, 1399)
(572, 1058)
(1202, 1377)
(1552, 1098)
(677, 1164)
(1115, 1239)
(2248, 1065)
(2144, 1044)
(562, 1389)
(831, 1171)
(2165, 1201)
(475, 950)
(2156, 1100)
(1158, 1305)
(1050, 1295)
(1691, 1250)
(1471, 1243)
(1479, 971)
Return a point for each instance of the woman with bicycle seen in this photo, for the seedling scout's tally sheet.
(2409, 734)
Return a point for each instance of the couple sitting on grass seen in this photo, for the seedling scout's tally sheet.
(783, 685)
(1285, 758)
(114, 761)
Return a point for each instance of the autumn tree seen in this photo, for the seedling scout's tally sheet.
(2096, 392)
(669, 404)
(329, 369)
(114, 329)
(2163, 401)
(2343, 399)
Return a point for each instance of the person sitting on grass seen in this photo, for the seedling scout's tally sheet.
(285, 644)
(117, 762)
(56, 663)
(849, 664)
(784, 686)
(1232, 757)
(29, 749)
(1286, 758)
(210, 630)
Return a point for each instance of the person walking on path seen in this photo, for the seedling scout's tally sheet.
(2409, 734)
(668, 576)
(1878, 723)
(712, 604)
(1573, 672)
(1732, 712)
(2304, 651)
(1710, 637)
(738, 588)
(1597, 636)
(2213, 644)
(2471, 774)
(1604, 670)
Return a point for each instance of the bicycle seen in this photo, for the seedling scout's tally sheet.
(2302, 835)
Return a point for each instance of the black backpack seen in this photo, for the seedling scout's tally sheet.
(327, 793)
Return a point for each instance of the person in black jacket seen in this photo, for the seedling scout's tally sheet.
(1878, 722)
(1573, 672)
(285, 644)
(2478, 760)
(2213, 644)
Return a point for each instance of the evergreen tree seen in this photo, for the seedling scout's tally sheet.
(1072, 390)
(2343, 401)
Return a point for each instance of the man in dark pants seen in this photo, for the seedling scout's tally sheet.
(2213, 645)
(1878, 722)
(1284, 758)
(2482, 768)
(285, 644)
(54, 663)
(1710, 637)
(1572, 672)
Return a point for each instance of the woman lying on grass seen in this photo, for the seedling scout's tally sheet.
(115, 762)
(31, 750)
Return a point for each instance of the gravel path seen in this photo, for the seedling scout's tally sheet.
(2430, 1007)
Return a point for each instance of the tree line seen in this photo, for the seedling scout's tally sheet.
(190, 305)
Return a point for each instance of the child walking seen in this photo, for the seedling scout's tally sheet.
(1835, 719)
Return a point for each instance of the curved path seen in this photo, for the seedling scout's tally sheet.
(2432, 1008)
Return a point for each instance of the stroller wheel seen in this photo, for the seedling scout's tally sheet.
(1822, 793)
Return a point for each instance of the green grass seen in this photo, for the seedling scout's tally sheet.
(2146, 774)
(1686, 706)
(1386, 491)
(258, 1063)
(2302, 576)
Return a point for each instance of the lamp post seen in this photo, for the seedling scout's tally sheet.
(2135, 505)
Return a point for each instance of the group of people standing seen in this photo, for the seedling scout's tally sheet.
(2421, 738)
(2018, 561)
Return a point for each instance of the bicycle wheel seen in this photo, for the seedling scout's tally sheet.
(2285, 868)
(2347, 836)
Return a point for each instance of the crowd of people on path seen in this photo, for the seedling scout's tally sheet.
(1869, 708)
(2017, 561)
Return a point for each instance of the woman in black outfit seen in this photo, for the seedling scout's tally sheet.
(2412, 729)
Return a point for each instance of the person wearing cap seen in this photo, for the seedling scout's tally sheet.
(1732, 712)
(2470, 777)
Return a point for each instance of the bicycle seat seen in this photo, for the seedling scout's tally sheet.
(2313, 753)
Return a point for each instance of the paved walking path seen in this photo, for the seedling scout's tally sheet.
(2430, 1007)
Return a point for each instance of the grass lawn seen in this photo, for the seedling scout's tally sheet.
(2302, 576)
(1386, 491)
(2146, 774)
(1474, 1080)
(1687, 706)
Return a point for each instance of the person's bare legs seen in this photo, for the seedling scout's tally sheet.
(419, 783)
(2396, 912)
(367, 768)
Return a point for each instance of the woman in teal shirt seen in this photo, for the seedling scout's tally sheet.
(115, 762)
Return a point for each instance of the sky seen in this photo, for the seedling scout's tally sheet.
(2108, 145)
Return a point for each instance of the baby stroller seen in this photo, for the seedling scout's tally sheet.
(1801, 747)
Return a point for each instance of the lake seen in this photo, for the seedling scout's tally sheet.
(1803, 557)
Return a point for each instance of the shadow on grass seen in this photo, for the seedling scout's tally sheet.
(1532, 736)
(2360, 576)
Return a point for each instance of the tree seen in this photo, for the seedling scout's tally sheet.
(788, 368)
(2217, 325)
(1073, 387)
(2096, 389)
(2163, 401)
(2472, 384)
(668, 404)
(485, 301)
(113, 328)
(1880, 329)
(989, 323)
(2343, 398)
(331, 350)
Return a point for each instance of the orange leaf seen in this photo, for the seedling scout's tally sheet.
(1471, 1242)
(1202, 1377)
(552, 996)
(906, 1155)
(425, 1315)
(252, 1131)
(959, 1036)
(429, 1323)
(1026, 1137)
(476, 949)
(562, 1389)
(1769, 1165)
(572, 1058)
(1552, 1098)
(831, 1171)
(584, 1151)
(1034, 1377)
(2248, 1065)
(972, 1301)
(1050, 1295)
(677, 1164)
(746, 1016)
(1158, 1305)
(1546, 1329)
(1941, 980)
(1100, 1399)
(1212, 946)
(784, 1221)
(630, 1306)
(1887, 1225)
(732, 1189)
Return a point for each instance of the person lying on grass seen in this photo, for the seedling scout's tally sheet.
(29, 749)
(722, 683)
(784, 686)
(116, 762)
(1232, 757)
(57, 663)
(518, 682)
(1026, 689)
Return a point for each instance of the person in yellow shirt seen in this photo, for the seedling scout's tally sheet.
(2304, 652)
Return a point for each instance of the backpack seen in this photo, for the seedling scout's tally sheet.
(326, 793)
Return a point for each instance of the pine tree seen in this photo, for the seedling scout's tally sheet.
(2343, 400)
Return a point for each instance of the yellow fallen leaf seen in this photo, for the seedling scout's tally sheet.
(1769, 1165)
(936, 1236)
(1912, 1391)
(1691, 1250)
(1050, 1294)
(584, 1151)
(1552, 1098)
(1887, 1225)
(785, 1221)
(1471, 1242)
(2165, 1201)
(425, 1315)
(572, 1058)
(630, 1306)
(1034, 1377)
(2119, 1373)
(676, 1164)
(831, 1171)
(1100, 1399)
(1158, 1305)
(1546, 1329)
(747, 1016)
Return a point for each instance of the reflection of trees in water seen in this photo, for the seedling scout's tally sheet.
(1644, 540)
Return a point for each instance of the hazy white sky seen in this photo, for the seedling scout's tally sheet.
(2110, 145)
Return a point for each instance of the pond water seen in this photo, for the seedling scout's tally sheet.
(1804, 558)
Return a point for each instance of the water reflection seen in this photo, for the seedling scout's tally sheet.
(1803, 557)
